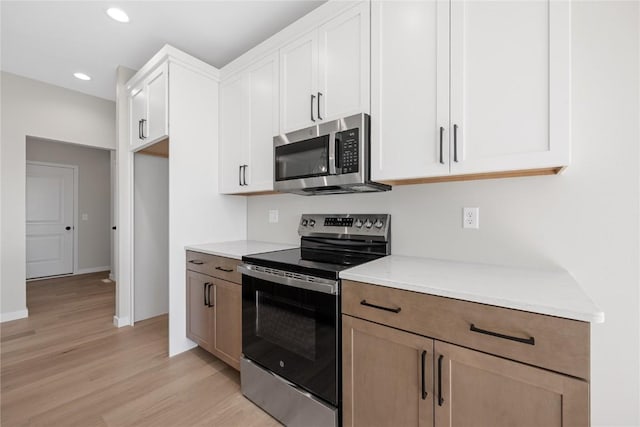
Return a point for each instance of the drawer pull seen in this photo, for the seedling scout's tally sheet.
(226, 270)
(379, 307)
(196, 261)
(530, 341)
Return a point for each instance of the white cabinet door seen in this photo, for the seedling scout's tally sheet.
(344, 64)
(298, 83)
(234, 131)
(510, 82)
(138, 113)
(263, 118)
(157, 105)
(410, 89)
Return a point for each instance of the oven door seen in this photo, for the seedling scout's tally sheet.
(292, 331)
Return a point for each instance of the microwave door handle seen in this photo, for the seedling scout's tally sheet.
(338, 152)
(333, 160)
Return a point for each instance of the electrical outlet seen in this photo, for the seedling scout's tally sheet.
(273, 216)
(471, 218)
(85, 217)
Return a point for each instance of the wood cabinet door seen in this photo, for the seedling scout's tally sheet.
(409, 89)
(298, 83)
(477, 389)
(199, 314)
(510, 85)
(137, 112)
(228, 321)
(264, 123)
(234, 132)
(157, 87)
(384, 374)
(344, 64)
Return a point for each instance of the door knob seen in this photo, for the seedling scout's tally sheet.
(67, 228)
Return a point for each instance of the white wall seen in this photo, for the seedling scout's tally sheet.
(585, 220)
(32, 108)
(94, 198)
(151, 236)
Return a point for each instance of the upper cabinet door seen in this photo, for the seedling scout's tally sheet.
(157, 87)
(344, 64)
(234, 132)
(138, 113)
(298, 83)
(510, 83)
(263, 112)
(409, 92)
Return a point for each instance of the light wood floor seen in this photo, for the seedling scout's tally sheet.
(67, 365)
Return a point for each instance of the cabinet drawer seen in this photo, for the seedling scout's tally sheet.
(216, 266)
(554, 343)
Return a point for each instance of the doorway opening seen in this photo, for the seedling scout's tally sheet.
(69, 209)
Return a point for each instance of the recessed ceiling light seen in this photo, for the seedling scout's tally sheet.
(118, 14)
(81, 76)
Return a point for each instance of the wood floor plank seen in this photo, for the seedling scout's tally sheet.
(67, 365)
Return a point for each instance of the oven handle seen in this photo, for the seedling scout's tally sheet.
(318, 284)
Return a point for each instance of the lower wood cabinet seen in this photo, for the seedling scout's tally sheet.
(396, 375)
(214, 307)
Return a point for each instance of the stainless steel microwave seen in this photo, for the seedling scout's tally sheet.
(328, 158)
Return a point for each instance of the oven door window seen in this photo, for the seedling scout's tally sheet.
(303, 159)
(292, 332)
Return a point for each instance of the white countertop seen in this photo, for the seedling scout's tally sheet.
(555, 293)
(238, 248)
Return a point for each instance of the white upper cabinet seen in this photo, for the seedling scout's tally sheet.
(248, 123)
(510, 85)
(410, 106)
(503, 105)
(149, 108)
(325, 73)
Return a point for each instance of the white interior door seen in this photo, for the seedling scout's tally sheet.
(50, 220)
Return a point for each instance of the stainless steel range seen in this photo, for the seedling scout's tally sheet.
(291, 316)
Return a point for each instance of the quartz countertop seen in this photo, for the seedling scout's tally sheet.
(551, 292)
(238, 248)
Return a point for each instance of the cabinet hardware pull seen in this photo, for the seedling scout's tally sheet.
(424, 385)
(142, 122)
(209, 295)
(244, 174)
(240, 175)
(313, 97)
(196, 261)
(319, 95)
(379, 307)
(140, 129)
(67, 228)
(455, 143)
(204, 292)
(226, 270)
(441, 139)
(530, 340)
(440, 398)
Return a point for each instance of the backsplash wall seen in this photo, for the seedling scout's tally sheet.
(585, 220)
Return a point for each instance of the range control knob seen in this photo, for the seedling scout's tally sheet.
(358, 223)
(378, 224)
(312, 222)
(304, 222)
(368, 223)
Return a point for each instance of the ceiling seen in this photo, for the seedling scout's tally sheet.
(50, 40)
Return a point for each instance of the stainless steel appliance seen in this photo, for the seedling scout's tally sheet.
(291, 316)
(328, 158)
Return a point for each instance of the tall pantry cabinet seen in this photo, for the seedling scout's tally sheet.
(197, 212)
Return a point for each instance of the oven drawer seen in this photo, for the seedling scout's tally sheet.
(216, 266)
(554, 343)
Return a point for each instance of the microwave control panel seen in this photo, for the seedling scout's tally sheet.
(348, 151)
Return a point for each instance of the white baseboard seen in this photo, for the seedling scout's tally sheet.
(14, 315)
(92, 270)
(119, 322)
